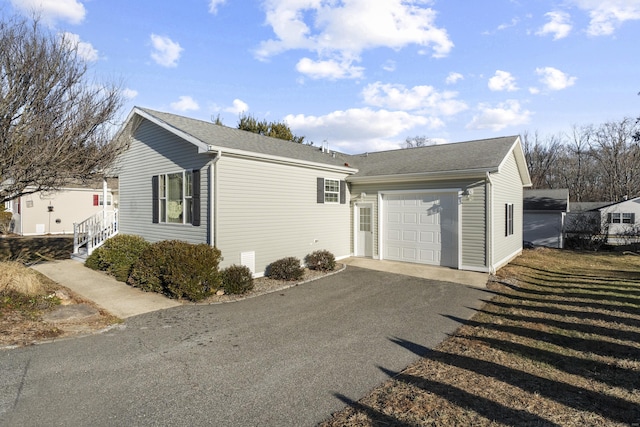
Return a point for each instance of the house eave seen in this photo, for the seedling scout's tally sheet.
(422, 176)
(212, 149)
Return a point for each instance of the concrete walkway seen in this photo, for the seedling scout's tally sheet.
(117, 298)
(445, 274)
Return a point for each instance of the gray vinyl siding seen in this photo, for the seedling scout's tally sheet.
(507, 188)
(161, 152)
(473, 216)
(271, 209)
(474, 226)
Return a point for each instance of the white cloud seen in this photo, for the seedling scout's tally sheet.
(214, 4)
(338, 32)
(238, 107)
(50, 11)
(534, 90)
(328, 69)
(358, 130)
(422, 99)
(508, 113)
(166, 52)
(608, 15)
(129, 93)
(185, 103)
(453, 78)
(501, 81)
(389, 66)
(559, 25)
(555, 79)
(85, 50)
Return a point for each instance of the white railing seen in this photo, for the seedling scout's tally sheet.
(94, 231)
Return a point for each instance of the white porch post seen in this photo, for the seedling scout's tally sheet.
(104, 201)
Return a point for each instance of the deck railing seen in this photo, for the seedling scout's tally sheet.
(94, 231)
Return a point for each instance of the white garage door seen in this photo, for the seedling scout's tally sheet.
(421, 228)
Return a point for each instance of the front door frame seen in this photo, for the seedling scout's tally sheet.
(357, 251)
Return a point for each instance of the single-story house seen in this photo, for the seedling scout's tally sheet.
(55, 212)
(622, 221)
(259, 199)
(544, 216)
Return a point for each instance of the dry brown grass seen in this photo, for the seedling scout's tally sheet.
(558, 344)
(15, 277)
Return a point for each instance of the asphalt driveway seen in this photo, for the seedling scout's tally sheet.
(283, 359)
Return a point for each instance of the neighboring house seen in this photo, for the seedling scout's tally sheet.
(544, 216)
(622, 221)
(259, 199)
(55, 212)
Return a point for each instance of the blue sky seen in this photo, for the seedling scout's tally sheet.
(364, 75)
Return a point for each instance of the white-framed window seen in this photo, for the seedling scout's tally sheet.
(621, 218)
(175, 197)
(331, 191)
(508, 212)
(101, 199)
(8, 206)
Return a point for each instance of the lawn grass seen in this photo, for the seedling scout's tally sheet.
(556, 344)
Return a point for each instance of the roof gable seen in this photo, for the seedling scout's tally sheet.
(212, 138)
(462, 158)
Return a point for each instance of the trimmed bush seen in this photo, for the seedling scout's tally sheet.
(117, 255)
(237, 279)
(285, 269)
(178, 269)
(322, 260)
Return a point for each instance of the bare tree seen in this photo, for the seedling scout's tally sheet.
(56, 124)
(417, 141)
(617, 153)
(542, 159)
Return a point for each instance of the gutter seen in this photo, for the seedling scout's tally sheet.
(420, 176)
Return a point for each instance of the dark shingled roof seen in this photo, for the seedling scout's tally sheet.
(481, 155)
(473, 156)
(236, 139)
(546, 200)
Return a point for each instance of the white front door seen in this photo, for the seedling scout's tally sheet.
(364, 230)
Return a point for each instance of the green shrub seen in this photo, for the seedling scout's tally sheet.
(117, 255)
(237, 279)
(322, 260)
(285, 269)
(178, 269)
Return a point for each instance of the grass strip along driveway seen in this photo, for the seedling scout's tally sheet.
(557, 345)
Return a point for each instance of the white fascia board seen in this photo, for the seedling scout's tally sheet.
(521, 161)
(202, 147)
(415, 177)
(280, 159)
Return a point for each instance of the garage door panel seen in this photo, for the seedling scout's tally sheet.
(414, 224)
(428, 237)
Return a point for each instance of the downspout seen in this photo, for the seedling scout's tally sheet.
(213, 199)
(490, 223)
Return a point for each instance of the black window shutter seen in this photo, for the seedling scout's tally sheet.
(343, 192)
(320, 192)
(196, 197)
(506, 219)
(633, 218)
(609, 218)
(155, 200)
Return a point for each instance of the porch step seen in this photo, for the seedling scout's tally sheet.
(81, 255)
